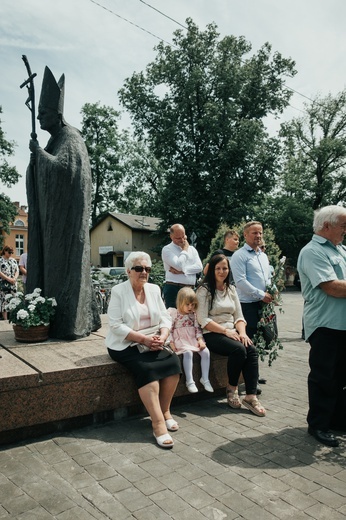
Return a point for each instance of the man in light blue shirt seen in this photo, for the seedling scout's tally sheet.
(251, 274)
(322, 270)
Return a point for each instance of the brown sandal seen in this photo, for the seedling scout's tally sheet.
(254, 406)
(233, 398)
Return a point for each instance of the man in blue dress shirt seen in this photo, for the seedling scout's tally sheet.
(251, 274)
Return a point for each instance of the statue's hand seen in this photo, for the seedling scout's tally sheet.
(33, 145)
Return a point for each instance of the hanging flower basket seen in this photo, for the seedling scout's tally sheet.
(32, 334)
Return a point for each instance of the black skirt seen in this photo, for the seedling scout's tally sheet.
(148, 366)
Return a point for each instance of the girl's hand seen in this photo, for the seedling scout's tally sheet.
(201, 345)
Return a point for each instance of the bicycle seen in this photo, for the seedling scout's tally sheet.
(98, 296)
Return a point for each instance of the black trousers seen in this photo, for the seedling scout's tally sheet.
(251, 312)
(327, 378)
(240, 359)
(170, 293)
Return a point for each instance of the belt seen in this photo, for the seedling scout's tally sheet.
(179, 284)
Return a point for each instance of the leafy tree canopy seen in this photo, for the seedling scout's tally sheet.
(314, 166)
(126, 177)
(8, 174)
(291, 221)
(100, 132)
(200, 106)
(8, 212)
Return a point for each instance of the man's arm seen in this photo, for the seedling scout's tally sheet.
(22, 269)
(194, 264)
(336, 288)
(187, 261)
(238, 266)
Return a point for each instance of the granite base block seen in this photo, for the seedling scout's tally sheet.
(54, 386)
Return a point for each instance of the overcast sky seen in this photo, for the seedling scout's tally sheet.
(97, 50)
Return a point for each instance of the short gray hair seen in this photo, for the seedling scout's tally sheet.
(136, 256)
(330, 214)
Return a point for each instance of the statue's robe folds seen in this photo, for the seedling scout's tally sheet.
(59, 198)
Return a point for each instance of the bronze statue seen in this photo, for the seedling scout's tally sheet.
(59, 197)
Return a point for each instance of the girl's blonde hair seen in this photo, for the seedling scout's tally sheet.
(185, 296)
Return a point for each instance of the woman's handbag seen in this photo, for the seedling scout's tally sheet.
(6, 286)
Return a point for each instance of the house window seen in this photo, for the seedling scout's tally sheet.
(19, 245)
(19, 223)
(110, 226)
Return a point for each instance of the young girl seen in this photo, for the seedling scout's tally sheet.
(186, 338)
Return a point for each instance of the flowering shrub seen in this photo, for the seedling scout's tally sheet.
(266, 338)
(30, 310)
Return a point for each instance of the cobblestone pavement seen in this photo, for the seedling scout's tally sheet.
(225, 464)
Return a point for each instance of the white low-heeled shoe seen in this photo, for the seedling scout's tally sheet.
(160, 439)
(192, 387)
(207, 385)
(172, 425)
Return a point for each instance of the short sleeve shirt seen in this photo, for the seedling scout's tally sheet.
(321, 261)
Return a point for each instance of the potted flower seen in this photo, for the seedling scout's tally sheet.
(31, 315)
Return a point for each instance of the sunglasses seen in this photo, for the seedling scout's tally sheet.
(140, 269)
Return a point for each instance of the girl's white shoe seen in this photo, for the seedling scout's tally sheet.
(207, 385)
(192, 387)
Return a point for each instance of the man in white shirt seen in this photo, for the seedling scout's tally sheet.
(181, 262)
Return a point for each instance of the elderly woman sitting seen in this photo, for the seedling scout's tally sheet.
(139, 326)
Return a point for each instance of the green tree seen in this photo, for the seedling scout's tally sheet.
(101, 135)
(141, 177)
(9, 176)
(200, 106)
(8, 212)
(315, 153)
(291, 221)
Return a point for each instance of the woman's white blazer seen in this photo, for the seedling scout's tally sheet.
(123, 313)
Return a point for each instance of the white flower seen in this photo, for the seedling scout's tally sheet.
(26, 310)
(8, 296)
(282, 260)
(11, 306)
(22, 314)
(14, 302)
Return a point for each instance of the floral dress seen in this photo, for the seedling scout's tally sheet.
(9, 268)
(185, 331)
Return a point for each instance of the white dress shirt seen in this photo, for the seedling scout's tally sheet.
(188, 262)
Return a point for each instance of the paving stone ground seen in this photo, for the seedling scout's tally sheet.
(225, 464)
